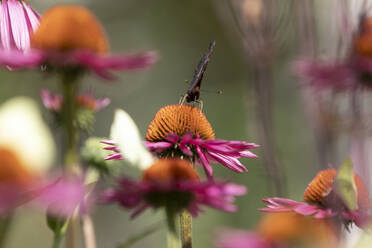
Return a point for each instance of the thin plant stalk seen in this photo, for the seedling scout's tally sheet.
(173, 240)
(57, 239)
(5, 224)
(264, 96)
(186, 229)
(88, 232)
(71, 158)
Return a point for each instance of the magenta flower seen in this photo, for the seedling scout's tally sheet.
(324, 200)
(173, 183)
(71, 37)
(183, 131)
(18, 21)
(54, 102)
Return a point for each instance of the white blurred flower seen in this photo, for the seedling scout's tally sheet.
(127, 138)
(23, 132)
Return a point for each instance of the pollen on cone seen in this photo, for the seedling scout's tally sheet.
(179, 119)
(172, 169)
(363, 41)
(320, 186)
(68, 28)
(12, 169)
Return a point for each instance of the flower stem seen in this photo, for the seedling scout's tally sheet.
(5, 223)
(57, 240)
(71, 158)
(186, 229)
(173, 240)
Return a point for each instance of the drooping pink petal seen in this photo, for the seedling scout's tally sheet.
(20, 31)
(204, 161)
(7, 40)
(32, 17)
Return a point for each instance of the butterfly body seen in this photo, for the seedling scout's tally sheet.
(193, 93)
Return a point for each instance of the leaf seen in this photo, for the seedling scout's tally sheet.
(125, 134)
(345, 185)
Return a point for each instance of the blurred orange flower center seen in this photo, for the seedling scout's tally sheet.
(179, 119)
(11, 168)
(171, 169)
(363, 41)
(68, 28)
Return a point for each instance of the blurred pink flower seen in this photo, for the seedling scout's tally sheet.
(62, 196)
(54, 101)
(18, 21)
(241, 239)
(173, 183)
(326, 74)
(225, 152)
(70, 37)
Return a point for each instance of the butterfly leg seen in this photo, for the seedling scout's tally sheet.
(182, 99)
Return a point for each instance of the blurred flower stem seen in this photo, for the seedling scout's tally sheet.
(57, 240)
(358, 134)
(316, 110)
(186, 229)
(263, 31)
(88, 231)
(173, 240)
(263, 87)
(69, 111)
(71, 158)
(5, 223)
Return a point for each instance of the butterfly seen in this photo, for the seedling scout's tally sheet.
(193, 93)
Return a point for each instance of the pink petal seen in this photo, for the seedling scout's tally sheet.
(21, 34)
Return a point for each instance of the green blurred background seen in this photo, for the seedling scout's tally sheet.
(180, 32)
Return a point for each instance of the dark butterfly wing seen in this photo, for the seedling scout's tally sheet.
(193, 93)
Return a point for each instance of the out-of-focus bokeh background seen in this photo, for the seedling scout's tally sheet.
(180, 32)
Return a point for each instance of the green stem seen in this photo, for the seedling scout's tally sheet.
(173, 240)
(57, 240)
(4, 229)
(186, 229)
(69, 119)
(71, 158)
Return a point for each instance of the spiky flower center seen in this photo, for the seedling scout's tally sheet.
(170, 169)
(69, 28)
(321, 186)
(12, 170)
(179, 119)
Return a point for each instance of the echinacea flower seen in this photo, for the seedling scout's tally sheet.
(173, 184)
(348, 73)
(18, 21)
(183, 131)
(70, 36)
(26, 153)
(54, 102)
(324, 199)
(283, 230)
